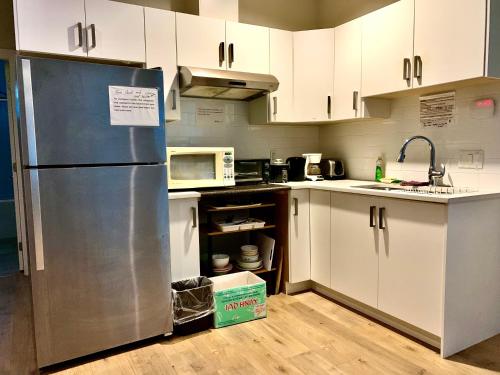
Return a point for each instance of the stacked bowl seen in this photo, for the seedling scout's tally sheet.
(249, 259)
(220, 264)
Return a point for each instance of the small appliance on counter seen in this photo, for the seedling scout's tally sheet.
(312, 170)
(278, 171)
(296, 168)
(252, 171)
(332, 169)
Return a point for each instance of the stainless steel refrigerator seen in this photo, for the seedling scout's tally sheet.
(93, 151)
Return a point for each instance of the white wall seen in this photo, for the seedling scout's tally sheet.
(360, 143)
(250, 141)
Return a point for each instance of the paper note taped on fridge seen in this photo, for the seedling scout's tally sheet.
(133, 106)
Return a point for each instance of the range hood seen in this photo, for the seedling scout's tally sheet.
(224, 84)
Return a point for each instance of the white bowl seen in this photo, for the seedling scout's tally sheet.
(249, 265)
(220, 260)
(249, 258)
(249, 249)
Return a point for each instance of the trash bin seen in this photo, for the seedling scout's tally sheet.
(193, 301)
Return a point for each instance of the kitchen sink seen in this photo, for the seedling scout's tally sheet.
(379, 187)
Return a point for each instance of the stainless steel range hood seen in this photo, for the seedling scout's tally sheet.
(224, 84)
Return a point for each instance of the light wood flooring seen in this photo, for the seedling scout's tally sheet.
(303, 334)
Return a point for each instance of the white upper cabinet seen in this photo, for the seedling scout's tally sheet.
(247, 48)
(347, 71)
(115, 30)
(313, 58)
(388, 49)
(201, 42)
(51, 26)
(449, 41)
(281, 56)
(161, 52)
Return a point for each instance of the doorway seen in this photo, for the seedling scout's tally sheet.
(9, 257)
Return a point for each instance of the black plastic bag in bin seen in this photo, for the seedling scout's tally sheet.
(192, 299)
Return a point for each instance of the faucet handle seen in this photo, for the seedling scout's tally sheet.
(442, 172)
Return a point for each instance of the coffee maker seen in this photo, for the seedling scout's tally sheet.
(312, 170)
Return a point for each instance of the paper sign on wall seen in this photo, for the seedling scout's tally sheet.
(437, 110)
(133, 106)
(210, 114)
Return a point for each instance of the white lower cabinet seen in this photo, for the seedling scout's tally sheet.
(184, 238)
(300, 246)
(319, 211)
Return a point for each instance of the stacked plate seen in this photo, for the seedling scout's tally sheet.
(249, 259)
(220, 264)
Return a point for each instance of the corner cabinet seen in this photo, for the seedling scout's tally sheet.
(299, 244)
(161, 52)
(95, 28)
(184, 238)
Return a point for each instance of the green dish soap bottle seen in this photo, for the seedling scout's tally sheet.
(379, 173)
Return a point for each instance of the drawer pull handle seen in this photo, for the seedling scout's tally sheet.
(372, 216)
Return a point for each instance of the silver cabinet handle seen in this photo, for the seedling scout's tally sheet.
(329, 105)
(80, 34)
(275, 103)
(296, 207)
(381, 213)
(407, 69)
(92, 33)
(221, 53)
(231, 54)
(37, 220)
(417, 68)
(355, 95)
(195, 217)
(372, 216)
(174, 99)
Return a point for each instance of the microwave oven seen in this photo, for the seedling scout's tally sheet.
(200, 167)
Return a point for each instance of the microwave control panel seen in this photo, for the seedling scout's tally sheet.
(228, 168)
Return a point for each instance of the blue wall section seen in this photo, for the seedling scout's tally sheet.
(6, 186)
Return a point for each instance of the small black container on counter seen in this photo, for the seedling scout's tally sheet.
(297, 165)
(278, 172)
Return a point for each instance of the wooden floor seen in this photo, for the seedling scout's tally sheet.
(303, 334)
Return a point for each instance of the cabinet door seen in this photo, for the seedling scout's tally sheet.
(115, 30)
(313, 58)
(300, 250)
(161, 52)
(354, 241)
(450, 40)
(411, 262)
(199, 40)
(387, 42)
(51, 26)
(320, 236)
(247, 48)
(347, 71)
(281, 66)
(184, 238)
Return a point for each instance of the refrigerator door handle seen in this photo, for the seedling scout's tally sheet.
(37, 220)
(29, 112)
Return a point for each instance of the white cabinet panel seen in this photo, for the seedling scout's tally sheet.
(300, 250)
(387, 42)
(354, 241)
(161, 52)
(450, 40)
(198, 41)
(281, 66)
(411, 262)
(320, 236)
(247, 48)
(184, 238)
(347, 71)
(118, 30)
(50, 26)
(313, 55)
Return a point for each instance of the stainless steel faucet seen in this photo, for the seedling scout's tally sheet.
(434, 174)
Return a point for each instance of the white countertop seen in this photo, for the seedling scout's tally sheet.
(346, 186)
(183, 194)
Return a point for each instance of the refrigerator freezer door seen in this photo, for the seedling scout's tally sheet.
(105, 279)
(65, 114)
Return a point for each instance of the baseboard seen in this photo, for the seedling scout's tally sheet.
(293, 288)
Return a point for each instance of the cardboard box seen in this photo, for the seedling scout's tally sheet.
(239, 297)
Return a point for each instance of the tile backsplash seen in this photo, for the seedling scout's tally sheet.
(249, 141)
(360, 143)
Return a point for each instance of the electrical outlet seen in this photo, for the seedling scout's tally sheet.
(471, 159)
